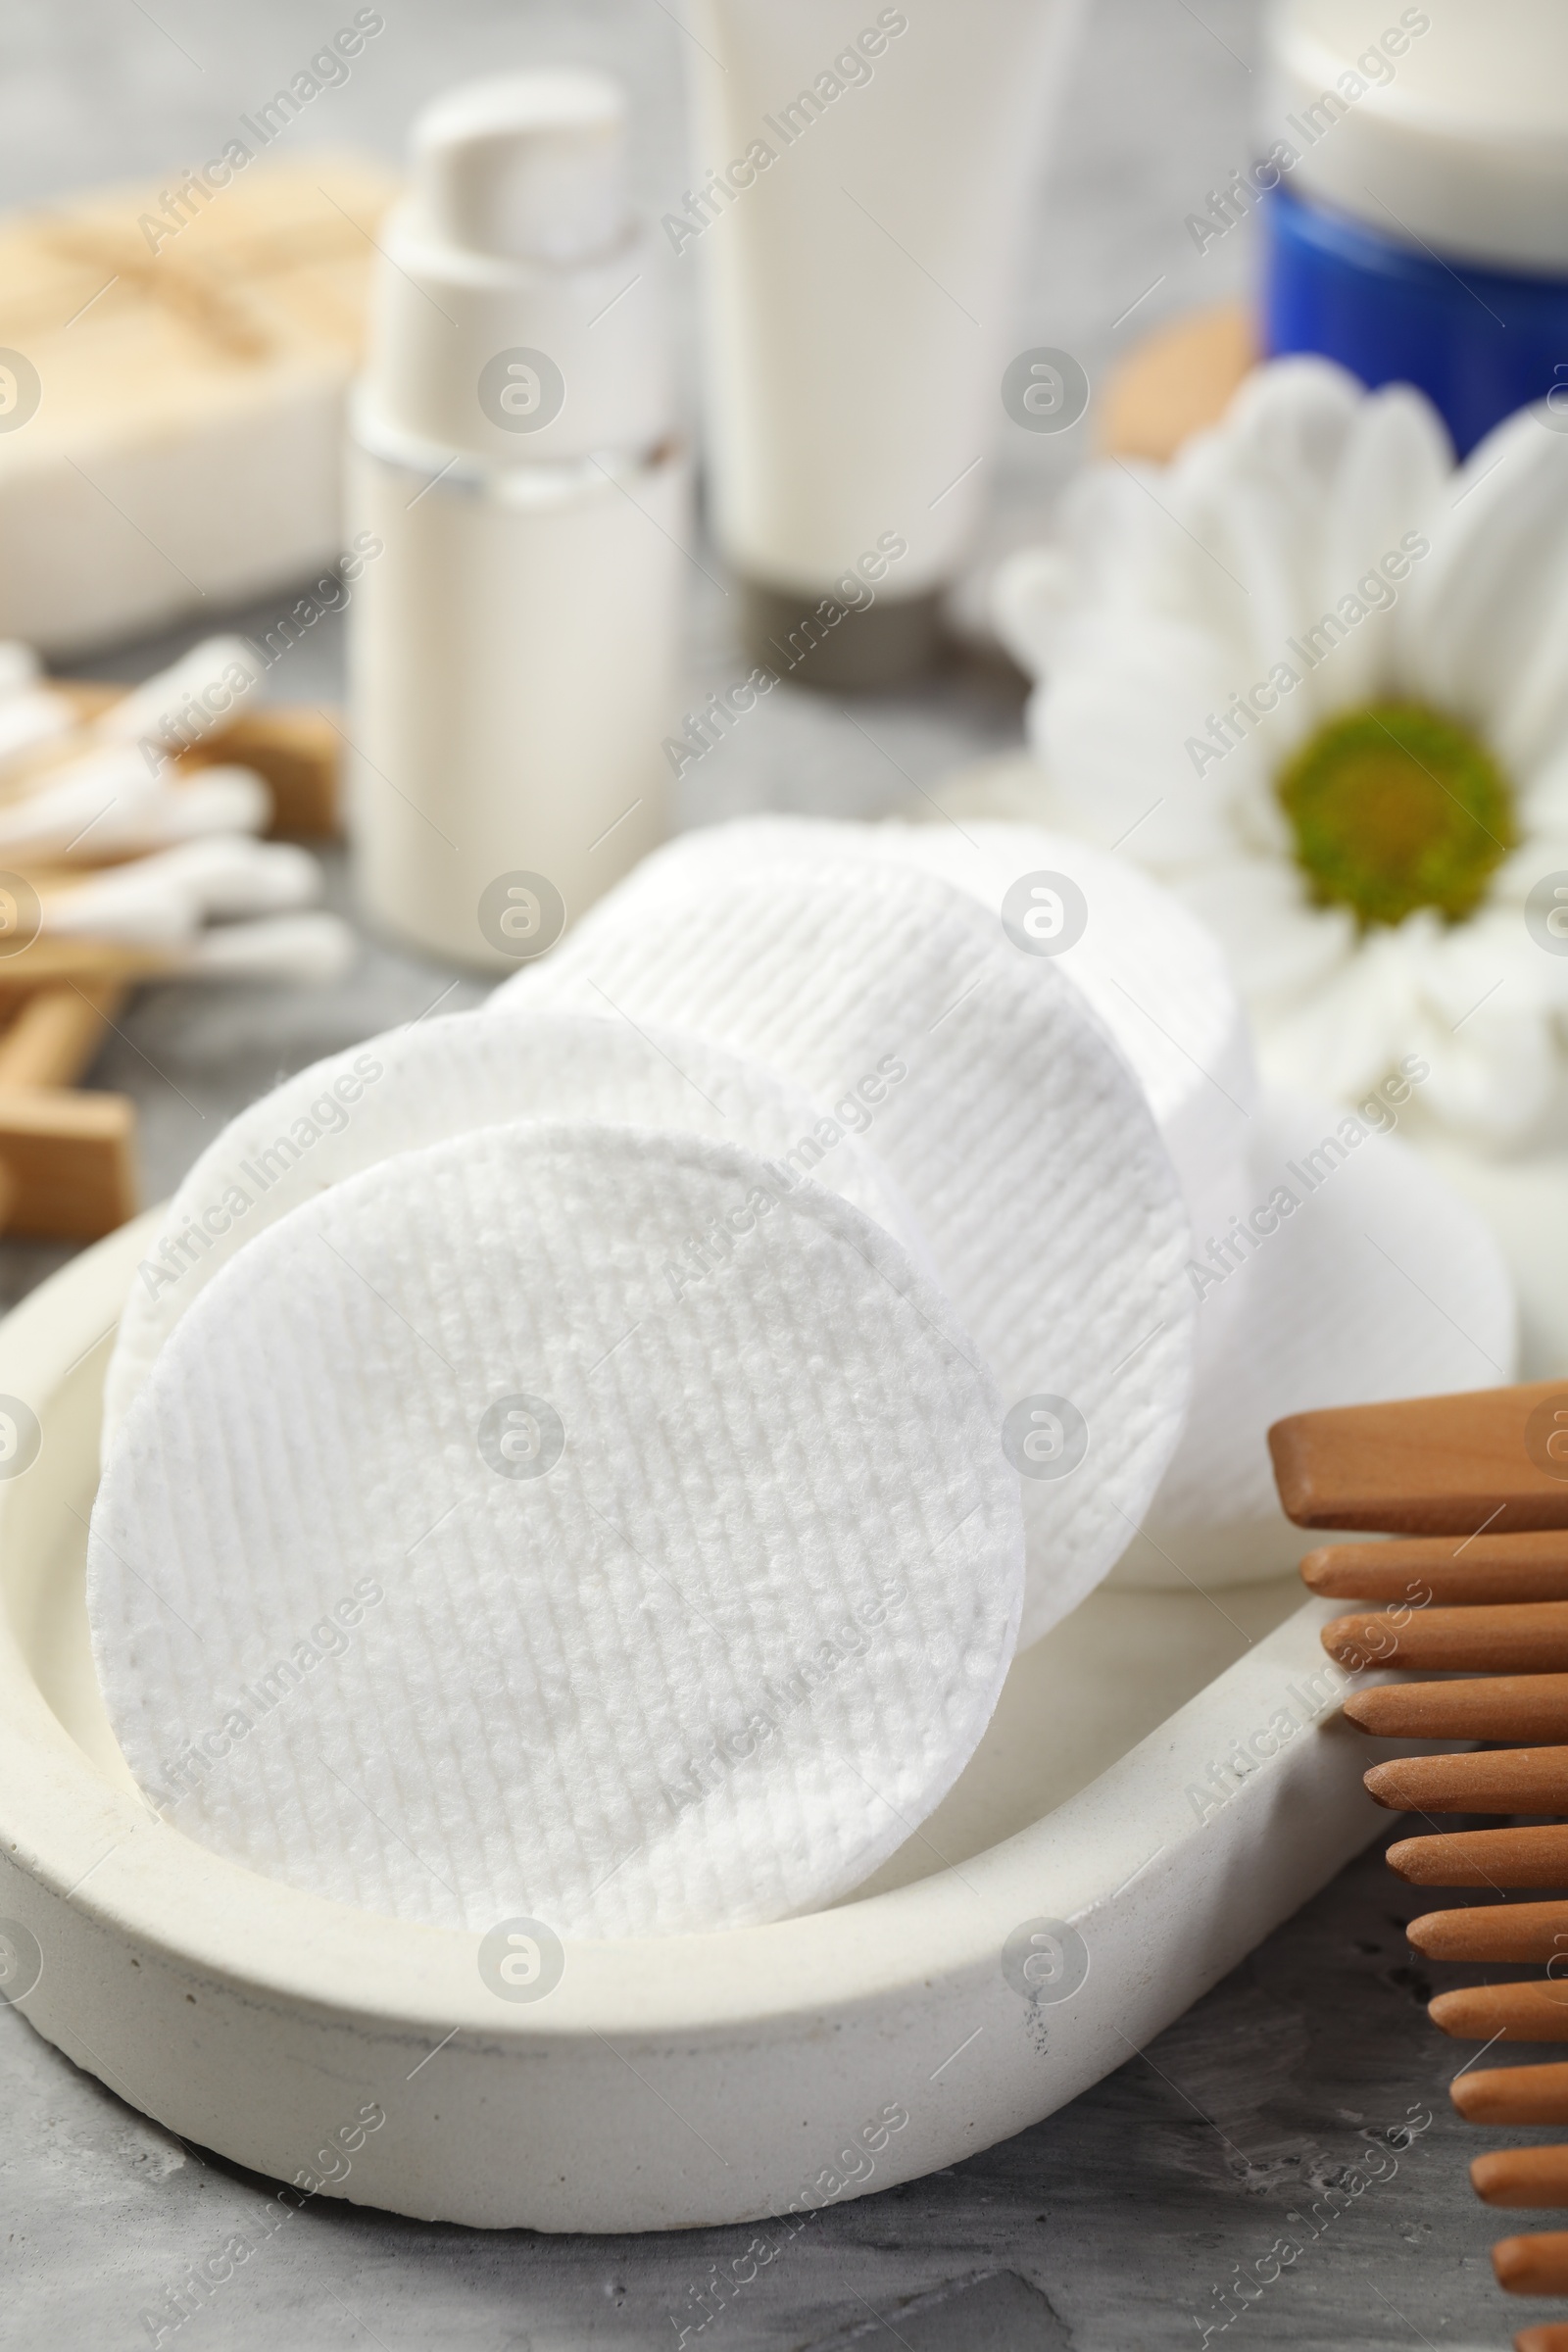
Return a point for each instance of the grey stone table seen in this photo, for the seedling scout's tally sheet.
(1117, 2226)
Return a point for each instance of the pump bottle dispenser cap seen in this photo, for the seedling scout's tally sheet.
(516, 258)
(531, 168)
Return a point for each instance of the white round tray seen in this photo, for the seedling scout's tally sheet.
(1113, 1822)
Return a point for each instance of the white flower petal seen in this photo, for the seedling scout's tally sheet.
(1394, 461)
(1122, 735)
(1543, 799)
(1278, 943)
(1495, 1076)
(1113, 530)
(1468, 626)
(1294, 418)
(1355, 1027)
(1033, 596)
(1248, 575)
(1529, 727)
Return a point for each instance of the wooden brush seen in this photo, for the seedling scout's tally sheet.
(1474, 1490)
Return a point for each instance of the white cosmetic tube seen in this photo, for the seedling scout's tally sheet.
(858, 208)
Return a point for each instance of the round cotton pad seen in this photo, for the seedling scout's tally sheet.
(1349, 1274)
(1155, 977)
(469, 1555)
(1023, 1143)
(439, 1078)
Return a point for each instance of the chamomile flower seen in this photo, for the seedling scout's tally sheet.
(1315, 677)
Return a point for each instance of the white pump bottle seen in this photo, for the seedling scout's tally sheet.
(520, 507)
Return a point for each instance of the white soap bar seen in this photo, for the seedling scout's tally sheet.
(439, 1078)
(452, 1565)
(1349, 1274)
(175, 433)
(1009, 1120)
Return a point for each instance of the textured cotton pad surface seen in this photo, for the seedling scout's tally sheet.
(1011, 1122)
(435, 1079)
(1156, 977)
(467, 1556)
(1349, 1274)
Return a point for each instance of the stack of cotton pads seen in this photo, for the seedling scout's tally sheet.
(591, 1460)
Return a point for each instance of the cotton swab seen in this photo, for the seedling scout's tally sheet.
(109, 807)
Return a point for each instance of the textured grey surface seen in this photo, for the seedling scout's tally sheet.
(1114, 2226)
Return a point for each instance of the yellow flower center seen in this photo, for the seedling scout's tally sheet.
(1392, 809)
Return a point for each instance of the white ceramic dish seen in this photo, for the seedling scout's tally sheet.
(1096, 1868)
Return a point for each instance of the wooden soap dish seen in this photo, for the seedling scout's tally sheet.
(1474, 1490)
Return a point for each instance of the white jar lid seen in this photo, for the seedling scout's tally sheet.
(1442, 126)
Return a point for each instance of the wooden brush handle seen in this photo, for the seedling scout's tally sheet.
(1515, 1779)
(1553, 2337)
(1494, 1461)
(1484, 1858)
(1513, 2094)
(1420, 1569)
(1533, 2266)
(1507, 1640)
(1534, 2011)
(1521, 2176)
(1519, 1707)
(1495, 1931)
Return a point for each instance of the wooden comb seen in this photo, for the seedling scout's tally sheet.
(1473, 1490)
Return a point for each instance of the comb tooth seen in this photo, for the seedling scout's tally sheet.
(1533, 2266)
(1506, 1639)
(1513, 2094)
(1515, 1707)
(1494, 1858)
(1494, 1932)
(1521, 2176)
(1534, 2011)
(1432, 1465)
(1423, 1569)
(1519, 1780)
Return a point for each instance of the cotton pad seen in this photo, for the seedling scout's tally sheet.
(982, 1079)
(438, 1078)
(1348, 1274)
(470, 1556)
(1156, 975)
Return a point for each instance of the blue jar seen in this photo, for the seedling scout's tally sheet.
(1416, 223)
(1479, 343)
